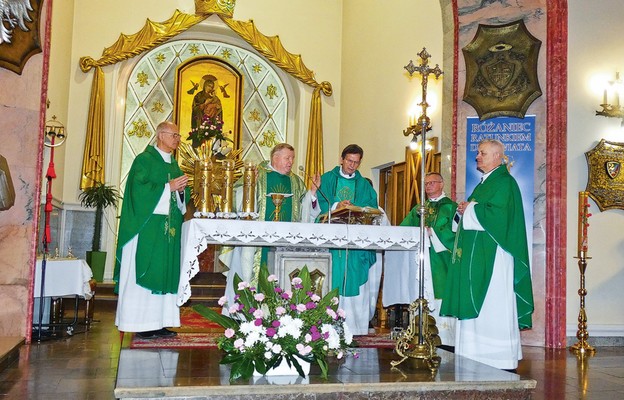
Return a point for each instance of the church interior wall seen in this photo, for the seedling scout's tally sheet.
(350, 115)
(378, 95)
(594, 55)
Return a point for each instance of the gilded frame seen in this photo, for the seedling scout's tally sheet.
(191, 77)
(605, 182)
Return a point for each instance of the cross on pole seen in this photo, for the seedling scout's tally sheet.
(424, 70)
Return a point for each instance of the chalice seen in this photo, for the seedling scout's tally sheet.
(278, 200)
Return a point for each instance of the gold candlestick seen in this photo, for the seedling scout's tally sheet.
(582, 348)
(249, 188)
(228, 184)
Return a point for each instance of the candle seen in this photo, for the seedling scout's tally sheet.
(583, 205)
(604, 97)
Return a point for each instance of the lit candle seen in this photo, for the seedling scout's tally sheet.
(583, 216)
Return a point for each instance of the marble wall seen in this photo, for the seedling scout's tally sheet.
(469, 14)
(22, 117)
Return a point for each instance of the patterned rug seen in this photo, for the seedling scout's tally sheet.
(194, 322)
(208, 340)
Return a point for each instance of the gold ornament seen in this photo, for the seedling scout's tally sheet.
(224, 8)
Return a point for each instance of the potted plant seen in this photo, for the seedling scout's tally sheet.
(99, 196)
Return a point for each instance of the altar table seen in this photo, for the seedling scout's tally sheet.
(198, 233)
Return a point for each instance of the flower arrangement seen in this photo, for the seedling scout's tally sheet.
(268, 325)
(210, 128)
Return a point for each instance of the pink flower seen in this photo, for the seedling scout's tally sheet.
(272, 278)
(258, 314)
(238, 343)
(258, 322)
(233, 309)
(296, 281)
(222, 300)
(303, 349)
(229, 332)
(242, 285)
(259, 296)
(270, 332)
(342, 313)
(315, 298)
(280, 310)
(301, 307)
(331, 313)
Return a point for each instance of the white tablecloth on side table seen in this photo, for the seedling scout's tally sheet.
(64, 277)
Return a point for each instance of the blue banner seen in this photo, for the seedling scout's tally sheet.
(518, 137)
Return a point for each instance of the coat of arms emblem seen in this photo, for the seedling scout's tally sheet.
(501, 70)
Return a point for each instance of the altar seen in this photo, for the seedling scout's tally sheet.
(198, 233)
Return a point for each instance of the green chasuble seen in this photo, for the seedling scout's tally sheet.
(270, 181)
(438, 216)
(499, 211)
(158, 251)
(356, 262)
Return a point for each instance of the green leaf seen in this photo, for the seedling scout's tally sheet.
(305, 279)
(214, 316)
(264, 286)
(260, 366)
(323, 365)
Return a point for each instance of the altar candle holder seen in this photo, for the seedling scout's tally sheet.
(582, 348)
(249, 188)
(228, 167)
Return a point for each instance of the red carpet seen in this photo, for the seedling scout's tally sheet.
(193, 322)
(208, 340)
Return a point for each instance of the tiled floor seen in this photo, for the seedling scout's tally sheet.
(85, 367)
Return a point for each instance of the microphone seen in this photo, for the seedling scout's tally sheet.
(318, 190)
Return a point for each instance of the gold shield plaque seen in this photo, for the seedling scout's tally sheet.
(501, 70)
(605, 183)
(23, 36)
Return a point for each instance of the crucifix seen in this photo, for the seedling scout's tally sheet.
(420, 339)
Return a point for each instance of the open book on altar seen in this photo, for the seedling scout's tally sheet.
(353, 215)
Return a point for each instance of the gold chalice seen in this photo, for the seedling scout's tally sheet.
(278, 199)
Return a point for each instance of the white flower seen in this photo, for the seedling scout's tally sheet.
(339, 355)
(277, 348)
(296, 281)
(272, 278)
(242, 285)
(268, 355)
(249, 327)
(348, 336)
(333, 341)
(238, 343)
(289, 326)
(222, 300)
(335, 300)
(308, 338)
(342, 313)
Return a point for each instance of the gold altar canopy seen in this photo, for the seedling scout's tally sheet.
(152, 35)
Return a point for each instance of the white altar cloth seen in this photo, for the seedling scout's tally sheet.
(64, 277)
(197, 234)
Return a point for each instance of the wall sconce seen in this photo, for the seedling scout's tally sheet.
(608, 109)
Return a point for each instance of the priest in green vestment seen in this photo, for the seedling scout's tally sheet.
(147, 262)
(299, 205)
(439, 213)
(489, 283)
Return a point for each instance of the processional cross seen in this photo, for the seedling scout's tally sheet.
(420, 339)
